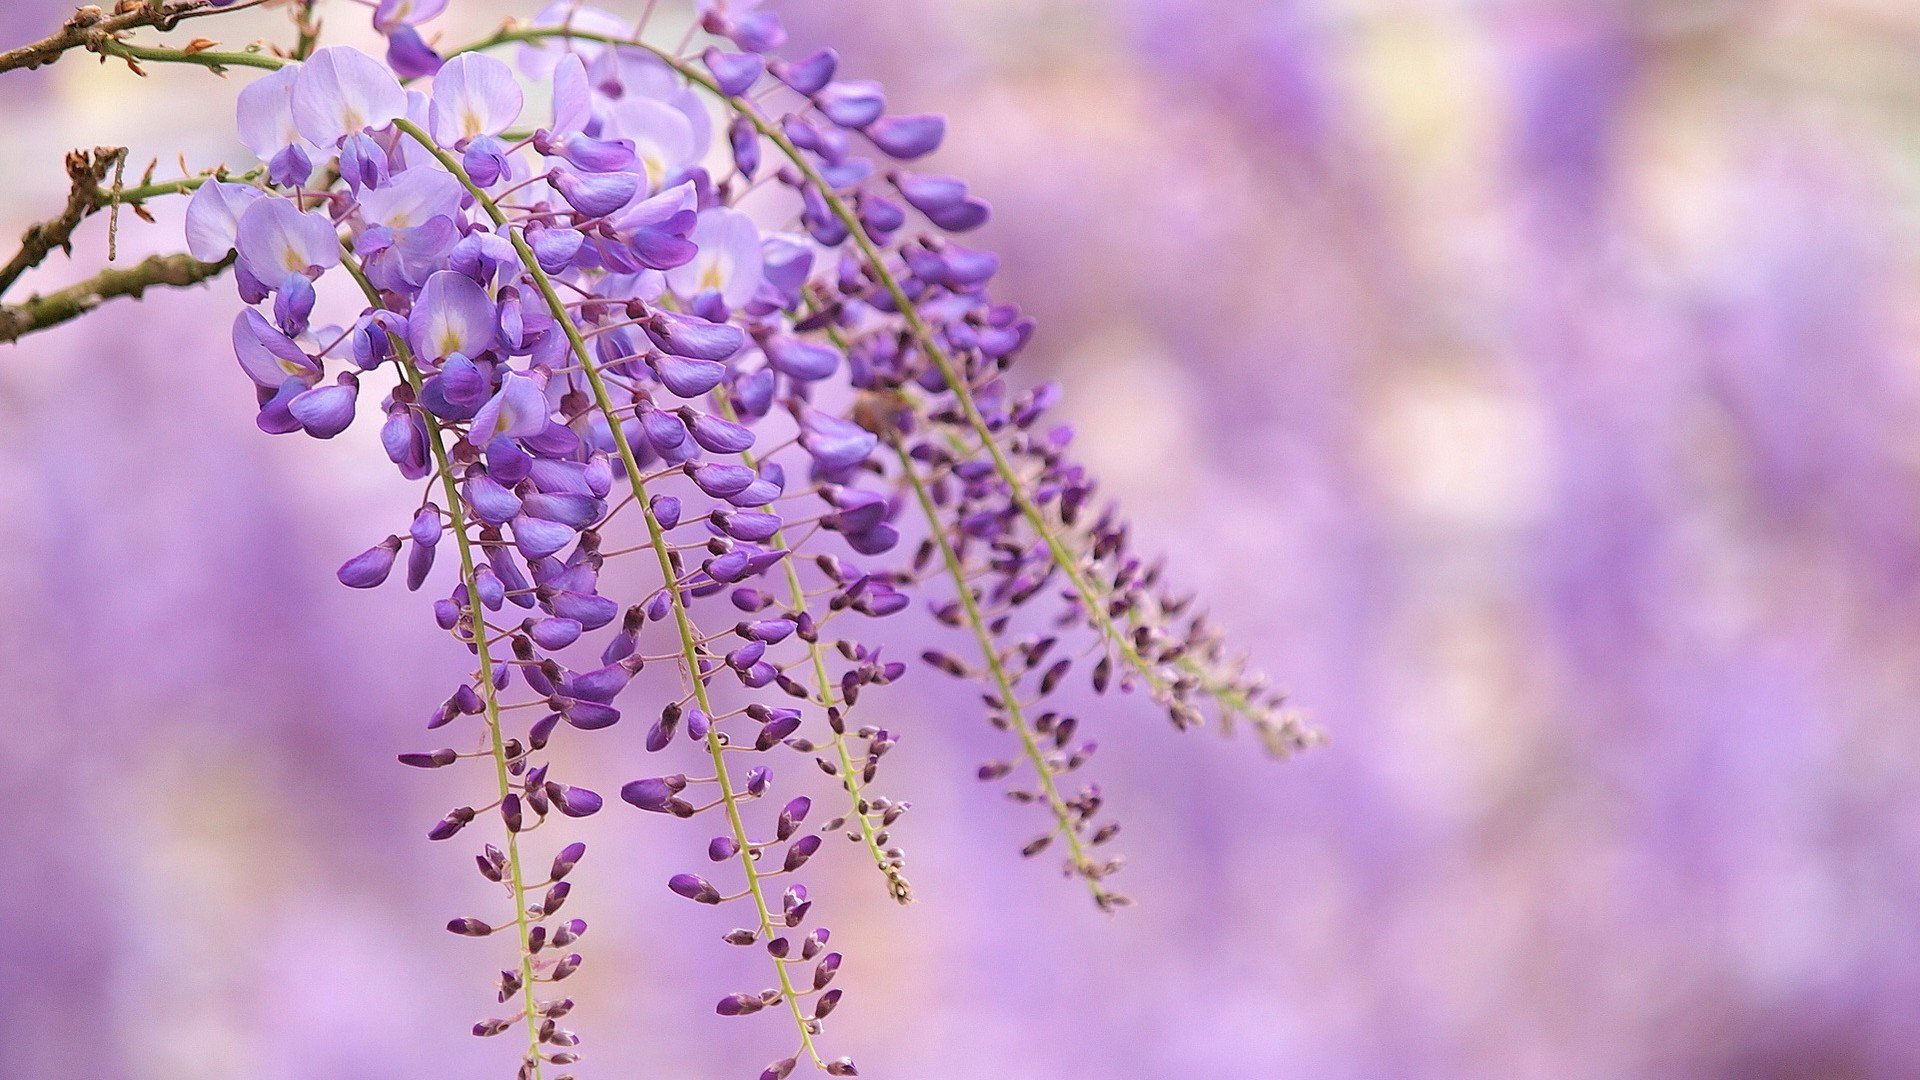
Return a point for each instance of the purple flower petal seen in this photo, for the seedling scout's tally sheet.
(458, 391)
(341, 90)
(412, 198)
(875, 540)
(664, 141)
(390, 15)
(758, 31)
(930, 193)
(473, 95)
(273, 417)
(908, 137)
(572, 98)
(602, 684)
(858, 510)
(593, 155)
(759, 493)
(752, 526)
(419, 564)
(538, 537)
(405, 438)
(881, 216)
(720, 480)
(718, 435)
(694, 888)
(486, 161)
(654, 794)
(269, 357)
(363, 163)
(275, 239)
(518, 411)
(452, 315)
(734, 72)
(592, 612)
(806, 76)
(409, 55)
(571, 508)
(666, 510)
(728, 262)
(835, 444)
(492, 501)
(594, 194)
(744, 140)
(805, 360)
(555, 633)
(291, 167)
(592, 715)
(264, 113)
(326, 411)
(578, 802)
(213, 218)
(657, 249)
(685, 335)
(853, 104)
(370, 567)
(966, 215)
(555, 248)
(687, 378)
(293, 304)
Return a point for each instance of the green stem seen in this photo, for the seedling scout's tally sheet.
(309, 31)
(689, 647)
(469, 574)
(38, 312)
(130, 195)
(216, 62)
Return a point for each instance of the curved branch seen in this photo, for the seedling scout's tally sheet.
(90, 28)
(87, 170)
(43, 312)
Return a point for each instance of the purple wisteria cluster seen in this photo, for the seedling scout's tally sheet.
(703, 312)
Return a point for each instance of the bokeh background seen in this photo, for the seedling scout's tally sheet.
(1532, 387)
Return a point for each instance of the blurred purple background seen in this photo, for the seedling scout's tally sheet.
(1530, 387)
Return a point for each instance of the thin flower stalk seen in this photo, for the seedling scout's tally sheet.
(515, 878)
(852, 773)
(1070, 823)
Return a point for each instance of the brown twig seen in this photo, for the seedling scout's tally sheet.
(90, 26)
(43, 312)
(87, 170)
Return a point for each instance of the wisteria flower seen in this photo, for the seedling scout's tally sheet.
(341, 91)
(728, 260)
(276, 239)
(213, 218)
(408, 54)
(474, 96)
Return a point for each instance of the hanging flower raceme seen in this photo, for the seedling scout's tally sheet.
(906, 307)
(701, 314)
(545, 428)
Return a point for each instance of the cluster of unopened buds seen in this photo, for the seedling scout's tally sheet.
(703, 312)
